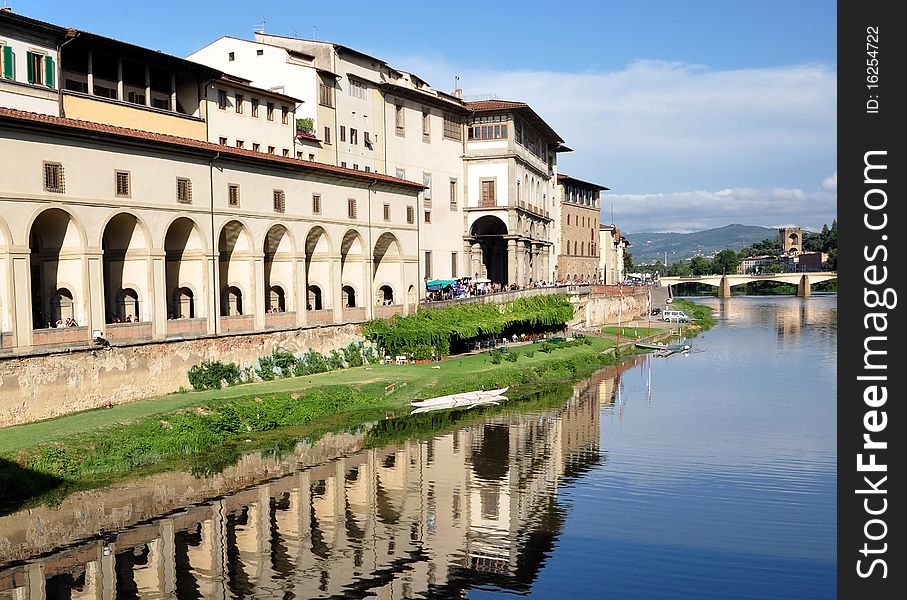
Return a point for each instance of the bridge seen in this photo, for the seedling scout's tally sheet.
(724, 283)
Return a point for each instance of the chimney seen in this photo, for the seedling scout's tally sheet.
(5, 9)
(458, 93)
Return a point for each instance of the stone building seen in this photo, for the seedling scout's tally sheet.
(577, 237)
(29, 63)
(611, 260)
(791, 240)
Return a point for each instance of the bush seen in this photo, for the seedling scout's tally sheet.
(334, 361)
(310, 363)
(212, 375)
(529, 353)
(280, 362)
(496, 356)
(511, 356)
(352, 354)
(547, 347)
(587, 340)
(370, 355)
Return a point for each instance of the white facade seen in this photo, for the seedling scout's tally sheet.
(250, 118)
(29, 65)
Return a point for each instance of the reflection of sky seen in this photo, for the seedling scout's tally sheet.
(727, 477)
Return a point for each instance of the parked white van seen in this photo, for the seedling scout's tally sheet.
(675, 316)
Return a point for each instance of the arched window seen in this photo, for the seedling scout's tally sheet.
(62, 305)
(127, 305)
(411, 294)
(277, 299)
(314, 298)
(349, 296)
(385, 295)
(233, 301)
(183, 304)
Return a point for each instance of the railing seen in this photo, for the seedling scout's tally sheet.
(354, 314)
(386, 312)
(320, 317)
(237, 323)
(122, 332)
(280, 320)
(60, 335)
(187, 327)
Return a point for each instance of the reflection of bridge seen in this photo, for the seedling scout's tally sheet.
(724, 283)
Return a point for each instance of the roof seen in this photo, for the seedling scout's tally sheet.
(339, 47)
(561, 177)
(519, 107)
(420, 96)
(8, 17)
(9, 115)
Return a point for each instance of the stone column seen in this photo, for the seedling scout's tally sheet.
(157, 287)
(173, 92)
(513, 269)
(724, 288)
(212, 293)
(94, 290)
(90, 74)
(804, 290)
(302, 290)
(20, 295)
(477, 264)
(147, 85)
(120, 90)
(522, 258)
(258, 290)
(167, 565)
(335, 283)
(108, 572)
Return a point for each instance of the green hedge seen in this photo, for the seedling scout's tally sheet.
(436, 328)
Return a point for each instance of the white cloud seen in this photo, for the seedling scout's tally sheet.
(657, 127)
(830, 184)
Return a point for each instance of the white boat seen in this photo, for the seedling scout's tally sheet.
(461, 398)
(493, 400)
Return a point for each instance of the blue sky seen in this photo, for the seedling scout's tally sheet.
(696, 114)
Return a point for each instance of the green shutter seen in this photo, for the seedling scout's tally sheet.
(31, 66)
(49, 71)
(8, 62)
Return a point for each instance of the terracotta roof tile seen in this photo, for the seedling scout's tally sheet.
(137, 134)
(494, 104)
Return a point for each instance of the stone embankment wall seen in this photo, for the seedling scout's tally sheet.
(43, 386)
(605, 304)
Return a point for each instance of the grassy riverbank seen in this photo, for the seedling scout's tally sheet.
(212, 428)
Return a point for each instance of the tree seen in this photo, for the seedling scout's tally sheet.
(726, 261)
(306, 125)
(700, 266)
(628, 262)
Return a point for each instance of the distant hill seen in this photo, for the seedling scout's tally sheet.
(649, 247)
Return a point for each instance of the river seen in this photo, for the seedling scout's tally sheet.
(706, 475)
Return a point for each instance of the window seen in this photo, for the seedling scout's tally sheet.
(240, 144)
(399, 119)
(428, 216)
(401, 173)
(270, 111)
(231, 56)
(325, 94)
(453, 265)
(355, 166)
(343, 133)
(8, 58)
(223, 141)
(428, 264)
(233, 195)
(40, 69)
(122, 183)
(354, 136)
(255, 107)
(426, 181)
(568, 219)
(387, 212)
(452, 130)
(256, 147)
(284, 114)
(366, 140)
(53, 177)
(327, 135)
(358, 89)
(488, 194)
(299, 154)
(183, 190)
(222, 99)
(453, 194)
(368, 169)
(312, 157)
(259, 52)
(280, 201)
(488, 128)
(316, 204)
(351, 208)
(271, 149)
(410, 214)
(426, 125)
(286, 152)
(239, 103)
(343, 164)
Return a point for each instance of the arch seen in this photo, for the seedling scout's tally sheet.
(385, 294)
(62, 305)
(234, 251)
(411, 294)
(317, 241)
(126, 303)
(57, 245)
(387, 259)
(315, 300)
(125, 243)
(348, 295)
(489, 232)
(488, 225)
(185, 268)
(351, 243)
(279, 253)
(5, 239)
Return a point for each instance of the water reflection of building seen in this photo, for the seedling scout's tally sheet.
(476, 506)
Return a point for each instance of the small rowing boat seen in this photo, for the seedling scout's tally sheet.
(467, 404)
(461, 398)
(665, 349)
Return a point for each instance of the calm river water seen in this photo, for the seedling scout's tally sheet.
(710, 475)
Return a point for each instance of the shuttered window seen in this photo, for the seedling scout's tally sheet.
(183, 190)
(122, 184)
(9, 61)
(233, 195)
(280, 201)
(53, 177)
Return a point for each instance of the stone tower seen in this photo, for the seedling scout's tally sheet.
(791, 239)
